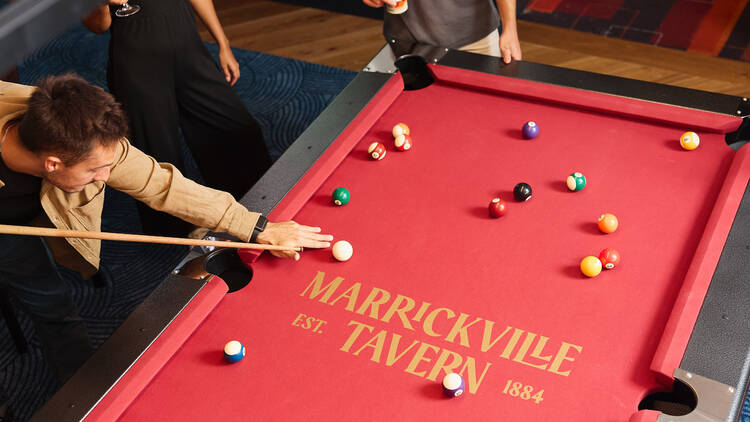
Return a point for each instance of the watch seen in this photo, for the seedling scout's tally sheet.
(260, 225)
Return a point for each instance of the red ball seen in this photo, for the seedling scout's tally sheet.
(497, 208)
(610, 258)
(376, 151)
(403, 142)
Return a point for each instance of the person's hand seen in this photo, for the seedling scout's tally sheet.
(510, 47)
(379, 3)
(292, 234)
(229, 65)
(116, 2)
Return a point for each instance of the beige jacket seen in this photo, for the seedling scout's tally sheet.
(159, 185)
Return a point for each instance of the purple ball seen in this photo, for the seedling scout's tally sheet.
(453, 385)
(530, 130)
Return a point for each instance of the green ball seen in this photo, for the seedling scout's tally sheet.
(576, 181)
(341, 196)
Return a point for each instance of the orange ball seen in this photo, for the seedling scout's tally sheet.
(608, 223)
(689, 141)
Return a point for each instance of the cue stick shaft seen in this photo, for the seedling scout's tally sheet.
(139, 238)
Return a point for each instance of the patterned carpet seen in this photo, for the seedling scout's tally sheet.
(713, 27)
(284, 95)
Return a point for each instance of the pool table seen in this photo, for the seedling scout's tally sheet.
(436, 285)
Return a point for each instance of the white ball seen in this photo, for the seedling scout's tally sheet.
(233, 347)
(342, 250)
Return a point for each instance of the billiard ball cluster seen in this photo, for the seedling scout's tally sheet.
(401, 141)
(498, 207)
(402, 137)
(608, 258)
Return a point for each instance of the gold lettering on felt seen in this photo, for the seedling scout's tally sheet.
(421, 357)
(428, 360)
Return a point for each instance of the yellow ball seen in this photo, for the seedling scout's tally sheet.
(689, 141)
(591, 266)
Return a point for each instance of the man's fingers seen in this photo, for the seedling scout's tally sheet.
(310, 229)
(506, 55)
(318, 237)
(517, 54)
(235, 71)
(317, 244)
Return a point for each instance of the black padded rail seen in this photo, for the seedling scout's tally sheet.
(29, 24)
(719, 346)
(313, 142)
(649, 91)
(84, 390)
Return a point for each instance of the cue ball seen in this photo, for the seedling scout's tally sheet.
(608, 223)
(689, 141)
(591, 266)
(376, 150)
(340, 196)
(522, 192)
(498, 208)
(400, 129)
(576, 181)
(610, 258)
(342, 250)
(234, 351)
(403, 142)
(453, 385)
(530, 130)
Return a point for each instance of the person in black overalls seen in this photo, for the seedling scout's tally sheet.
(165, 78)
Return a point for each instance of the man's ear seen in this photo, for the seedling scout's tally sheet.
(52, 163)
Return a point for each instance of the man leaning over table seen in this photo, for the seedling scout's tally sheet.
(61, 143)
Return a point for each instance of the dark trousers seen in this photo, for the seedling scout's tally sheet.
(28, 273)
(167, 82)
(225, 140)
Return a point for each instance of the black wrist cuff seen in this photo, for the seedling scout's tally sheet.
(260, 225)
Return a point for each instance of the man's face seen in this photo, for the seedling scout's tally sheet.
(73, 178)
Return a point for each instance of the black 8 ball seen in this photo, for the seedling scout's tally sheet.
(522, 192)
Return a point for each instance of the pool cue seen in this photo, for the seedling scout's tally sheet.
(139, 238)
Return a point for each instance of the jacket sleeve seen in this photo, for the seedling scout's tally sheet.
(162, 187)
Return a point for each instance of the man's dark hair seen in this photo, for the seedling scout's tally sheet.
(68, 117)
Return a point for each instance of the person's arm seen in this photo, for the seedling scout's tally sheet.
(100, 20)
(510, 47)
(379, 3)
(162, 187)
(207, 13)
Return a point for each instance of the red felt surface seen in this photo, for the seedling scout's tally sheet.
(419, 226)
(158, 353)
